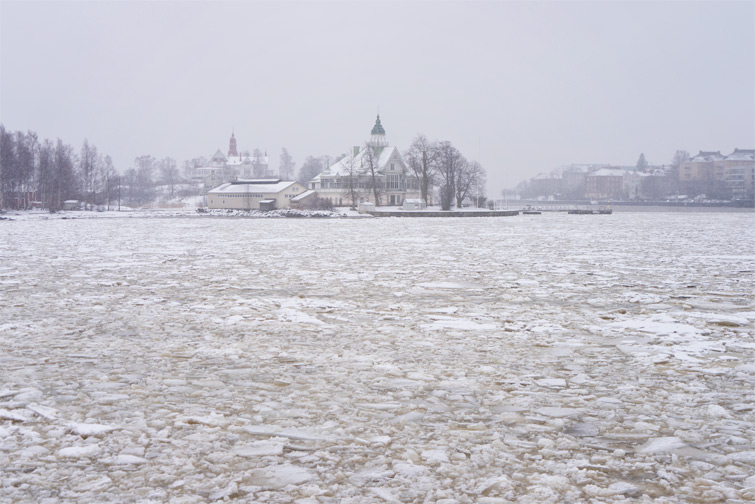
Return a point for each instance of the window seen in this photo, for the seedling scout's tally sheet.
(393, 181)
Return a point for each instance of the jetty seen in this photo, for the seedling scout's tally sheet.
(444, 213)
(596, 211)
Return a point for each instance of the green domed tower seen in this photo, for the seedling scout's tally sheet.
(378, 139)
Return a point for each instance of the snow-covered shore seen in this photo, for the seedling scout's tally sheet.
(172, 212)
(338, 360)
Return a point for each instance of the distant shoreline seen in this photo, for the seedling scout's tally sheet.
(661, 205)
(338, 213)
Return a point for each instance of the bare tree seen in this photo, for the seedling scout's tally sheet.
(311, 168)
(450, 163)
(680, 157)
(143, 182)
(470, 183)
(46, 174)
(7, 161)
(169, 174)
(31, 173)
(65, 177)
(108, 175)
(286, 166)
(88, 171)
(354, 173)
(422, 158)
(130, 178)
(32, 170)
(370, 165)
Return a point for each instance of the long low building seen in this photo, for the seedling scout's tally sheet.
(254, 194)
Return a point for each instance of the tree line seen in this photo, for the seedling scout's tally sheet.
(46, 174)
(442, 164)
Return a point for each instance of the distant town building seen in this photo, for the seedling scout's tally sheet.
(701, 167)
(707, 175)
(351, 177)
(263, 194)
(235, 165)
(734, 174)
(605, 183)
(739, 173)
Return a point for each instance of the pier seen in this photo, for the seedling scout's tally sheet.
(444, 213)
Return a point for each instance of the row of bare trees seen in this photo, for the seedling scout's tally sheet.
(44, 173)
(442, 164)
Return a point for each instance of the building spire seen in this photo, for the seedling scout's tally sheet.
(232, 145)
(378, 128)
(378, 140)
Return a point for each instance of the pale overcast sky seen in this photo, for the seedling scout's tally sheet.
(521, 86)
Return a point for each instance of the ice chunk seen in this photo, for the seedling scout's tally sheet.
(582, 429)
(380, 406)
(434, 457)
(551, 382)
(748, 457)
(409, 470)
(87, 429)
(716, 411)
(43, 411)
(15, 415)
(88, 451)
(259, 449)
(386, 494)
(554, 481)
(661, 445)
(211, 420)
(125, 459)
(555, 412)
(623, 488)
(34, 451)
(459, 324)
(279, 476)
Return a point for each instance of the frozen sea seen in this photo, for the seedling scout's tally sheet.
(529, 359)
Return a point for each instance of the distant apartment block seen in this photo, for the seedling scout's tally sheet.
(735, 171)
(605, 183)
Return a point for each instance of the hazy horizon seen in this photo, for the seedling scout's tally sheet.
(523, 87)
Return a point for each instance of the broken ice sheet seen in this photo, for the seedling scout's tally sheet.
(473, 385)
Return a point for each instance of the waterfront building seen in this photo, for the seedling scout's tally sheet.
(376, 168)
(265, 194)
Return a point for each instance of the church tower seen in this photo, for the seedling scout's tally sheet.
(232, 146)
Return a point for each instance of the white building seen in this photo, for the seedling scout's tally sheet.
(254, 194)
(236, 166)
(375, 168)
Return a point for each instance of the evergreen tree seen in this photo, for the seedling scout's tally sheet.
(642, 163)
